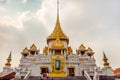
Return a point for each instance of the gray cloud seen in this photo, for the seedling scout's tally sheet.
(3, 1)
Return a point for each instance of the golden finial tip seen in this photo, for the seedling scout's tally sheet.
(57, 32)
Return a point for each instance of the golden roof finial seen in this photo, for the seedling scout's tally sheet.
(8, 64)
(57, 9)
(25, 51)
(57, 30)
(82, 47)
(33, 47)
(90, 51)
(105, 59)
(9, 57)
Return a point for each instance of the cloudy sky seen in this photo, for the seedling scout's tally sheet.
(94, 23)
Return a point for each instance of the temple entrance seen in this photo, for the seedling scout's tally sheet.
(44, 71)
(71, 71)
(58, 65)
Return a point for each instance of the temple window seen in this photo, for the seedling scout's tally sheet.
(32, 52)
(82, 52)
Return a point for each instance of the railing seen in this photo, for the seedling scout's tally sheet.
(87, 75)
(27, 75)
(96, 76)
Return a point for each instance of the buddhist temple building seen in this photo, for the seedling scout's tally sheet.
(58, 60)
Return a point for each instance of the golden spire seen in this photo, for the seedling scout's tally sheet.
(57, 10)
(8, 64)
(105, 59)
(57, 30)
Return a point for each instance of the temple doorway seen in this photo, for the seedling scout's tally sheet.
(71, 71)
(44, 71)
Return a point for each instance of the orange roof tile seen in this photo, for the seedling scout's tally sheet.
(117, 72)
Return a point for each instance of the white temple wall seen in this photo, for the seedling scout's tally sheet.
(107, 71)
(35, 70)
(81, 68)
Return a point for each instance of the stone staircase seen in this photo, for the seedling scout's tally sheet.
(62, 78)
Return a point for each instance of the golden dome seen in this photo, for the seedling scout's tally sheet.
(33, 48)
(57, 32)
(82, 47)
(25, 51)
(90, 51)
(57, 44)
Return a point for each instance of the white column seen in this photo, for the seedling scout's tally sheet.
(50, 52)
(62, 52)
(53, 51)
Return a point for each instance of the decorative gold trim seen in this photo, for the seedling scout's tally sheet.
(82, 47)
(62, 64)
(58, 73)
(57, 44)
(34, 48)
(90, 51)
(25, 51)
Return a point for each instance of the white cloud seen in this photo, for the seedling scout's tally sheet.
(46, 16)
(102, 26)
(25, 16)
(2, 9)
(16, 22)
(8, 21)
(24, 1)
